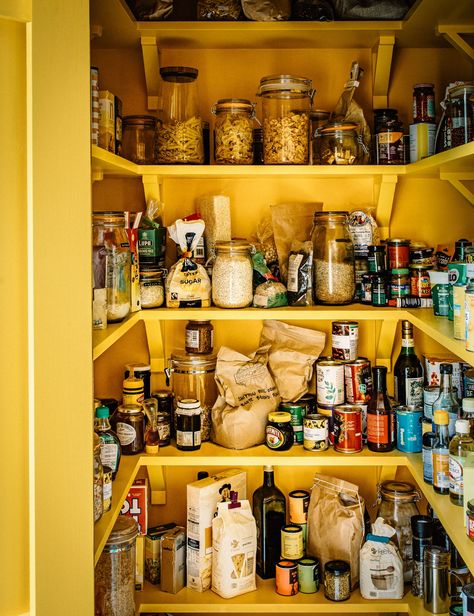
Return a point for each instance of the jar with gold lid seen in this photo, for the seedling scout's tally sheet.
(233, 131)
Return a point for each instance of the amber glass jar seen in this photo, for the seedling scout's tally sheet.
(199, 337)
(138, 140)
(129, 423)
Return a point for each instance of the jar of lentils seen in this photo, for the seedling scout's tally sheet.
(232, 275)
(233, 131)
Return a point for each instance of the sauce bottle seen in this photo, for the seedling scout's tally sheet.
(380, 417)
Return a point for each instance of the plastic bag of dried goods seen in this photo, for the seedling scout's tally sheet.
(300, 274)
(150, 10)
(312, 10)
(371, 9)
(219, 10)
(270, 294)
(267, 10)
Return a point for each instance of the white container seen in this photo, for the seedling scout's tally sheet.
(422, 140)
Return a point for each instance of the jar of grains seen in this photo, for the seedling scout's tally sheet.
(115, 572)
(233, 131)
(337, 143)
(152, 291)
(286, 105)
(334, 271)
(98, 480)
(337, 580)
(232, 275)
(199, 336)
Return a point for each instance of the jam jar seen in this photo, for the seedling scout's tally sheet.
(279, 431)
(129, 423)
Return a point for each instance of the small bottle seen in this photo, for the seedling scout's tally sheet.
(152, 434)
(133, 390)
(460, 447)
(441, 452)
(446, 400)
(110, 449)
(468, 413)
(408, 372)
(427, 456)
(380, 417)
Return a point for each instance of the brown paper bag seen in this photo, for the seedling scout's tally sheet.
(247, 393)
(336, 522)
(291, 357)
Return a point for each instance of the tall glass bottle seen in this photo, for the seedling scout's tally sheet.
(441, 453)
(446, 401)
(110, 449)
(380, 417)
(460, 447)
(269, 510)
(408, 373)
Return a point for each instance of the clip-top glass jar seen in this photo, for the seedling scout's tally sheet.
(138, 140)
(111, 262)
(337, 143)
(233, 131)
(460, 111)
(286, 105)
(115, 571)
(232, 275)
(152, 290)
(333, 266)
(180, 138)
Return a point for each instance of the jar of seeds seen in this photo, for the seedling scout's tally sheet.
(337, 580)
(232, 275)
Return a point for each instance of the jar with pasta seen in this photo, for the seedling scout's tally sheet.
(286, 106)
(233, 131)
(232, 275)
(337, 143)
(180, 137)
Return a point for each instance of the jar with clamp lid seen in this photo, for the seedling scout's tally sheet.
(337, 143)
(152, 291)
(233, 131)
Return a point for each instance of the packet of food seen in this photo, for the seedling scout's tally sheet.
(300, 274)
(443, 255)
(363, 230)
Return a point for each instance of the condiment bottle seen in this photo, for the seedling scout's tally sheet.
(460, 447)
(441, 453)
(110, 449)
(446, 400)
(380, 417)
(133, 390)
(152, 435)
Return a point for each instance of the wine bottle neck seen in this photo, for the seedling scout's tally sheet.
(408, 345)
(380, 382)
(445, 386)
(268, 479)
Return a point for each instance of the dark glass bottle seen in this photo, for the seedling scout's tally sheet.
(441, 453)
(408, 373)
(110, 449)
(380, 417)
(269, 510)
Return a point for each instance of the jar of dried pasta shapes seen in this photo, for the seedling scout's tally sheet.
(180, 138)
(233, 131)
(286, 106)
(337, 144)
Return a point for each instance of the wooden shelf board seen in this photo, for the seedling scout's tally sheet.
(103, 339)
(456, 160)
(111, 164)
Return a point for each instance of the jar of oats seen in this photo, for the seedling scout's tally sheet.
(286, 106)
(232, 275)
(233, 131)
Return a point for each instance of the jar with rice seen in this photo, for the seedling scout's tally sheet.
(232, 275)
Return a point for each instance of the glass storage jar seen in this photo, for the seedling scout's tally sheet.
(115, 572)
(460, 114)
(192, 377)
(233, 131)
(333, 265)
(98, 480)
(396, 505)
(111, 262)
(180, 138)
(129, 425)
(152, 290)
(286, 105)
(138, 139)
(232, 275)
(337, 143)
(318, 118)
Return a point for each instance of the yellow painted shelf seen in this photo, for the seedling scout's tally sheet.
(103, 339)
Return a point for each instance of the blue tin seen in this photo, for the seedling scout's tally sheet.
(409, 429)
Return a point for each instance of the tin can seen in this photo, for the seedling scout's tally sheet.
(422, 140)
(330, 382)
(308, 575)
(286, 578)
(409, 429)
(309, 400)
(315, 432)
(348, 428)
(363, 411)
(358, 381)
(328, 412)
(469, 383)
(298, 504)
(296, 411)
(345, 339)
(292, 542)
(430, 393)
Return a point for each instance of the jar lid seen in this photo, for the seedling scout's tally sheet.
(162, 393)
(96, 442)
(337, 567)
(292, 528)
(441, 418)
(284, 83)
(349, 408)
(124, 531)
(179, 74)
(418, 266)
(470, 506)
(468, 405)
(233, 246)
(101, 412)
(233, 104)
(423, 85)
(286, 564)
(436, 556)
(308, 562)
(279, 417)
(422, 526)
(108, 218)
(130, 409)
(376, 248)
(182, 359)
(189, 403)
(318, 215)
(138, 366)
(139, 120)
(398, 241)
(395, 490)
(422, 250)
(401, 271)
(462, 426)
(331, 127)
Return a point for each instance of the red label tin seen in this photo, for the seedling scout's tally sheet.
(358, 381)
(348, 428)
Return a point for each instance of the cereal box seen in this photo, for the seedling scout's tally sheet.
(173, 560)
(136, 504)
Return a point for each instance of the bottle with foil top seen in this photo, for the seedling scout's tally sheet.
(408, 372)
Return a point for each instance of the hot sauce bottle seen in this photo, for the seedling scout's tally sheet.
(380, 417)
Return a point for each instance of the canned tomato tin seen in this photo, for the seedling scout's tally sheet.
(292, 542)
(286, 578)
(409, 429)
(358, 381)
(348, 428)
(315, 432)
(430, 393)
(330, 382)
(345, 338)
(299, 504)
(297, 412)
(398, 253)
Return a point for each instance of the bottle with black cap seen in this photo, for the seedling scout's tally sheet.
(422, 529)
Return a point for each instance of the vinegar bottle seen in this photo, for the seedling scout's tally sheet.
(380, 417)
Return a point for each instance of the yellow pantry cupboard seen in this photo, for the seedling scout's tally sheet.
(51, 541)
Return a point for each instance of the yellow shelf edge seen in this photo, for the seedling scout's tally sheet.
(103, 339)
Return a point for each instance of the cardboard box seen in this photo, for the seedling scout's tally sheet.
(152, 246)
(107, 120)
(136, 504)
(139, 561)
(173, 560)
(153, 551)
(432, 374)
(202, 499)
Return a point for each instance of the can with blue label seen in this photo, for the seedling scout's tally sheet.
(409, 430)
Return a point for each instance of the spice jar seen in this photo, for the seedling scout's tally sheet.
(129, 422)
(286, 104)
(199, 337)
(423, 103)
(397, 504)
(233, 131)
(98, 480)
(232, 275)
(337, 580)
(334, 272)
(420, 281)
(379, 289)
(188, 425)
(337, 143)
(390, 149)
(421, 256)
(115, 571)
(377, 258)
(152, 292)
(180, 138)
(138, 139)
(112, 262)
(400, 283)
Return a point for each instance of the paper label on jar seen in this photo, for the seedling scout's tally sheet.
(192, 338)
(108, 455)
(456, 484)
(441, 468)
(107, 490)
(188, 439)
(126, 433)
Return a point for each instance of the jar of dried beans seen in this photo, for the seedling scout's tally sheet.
(233, 131)
(232, 275)
(286, 106)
